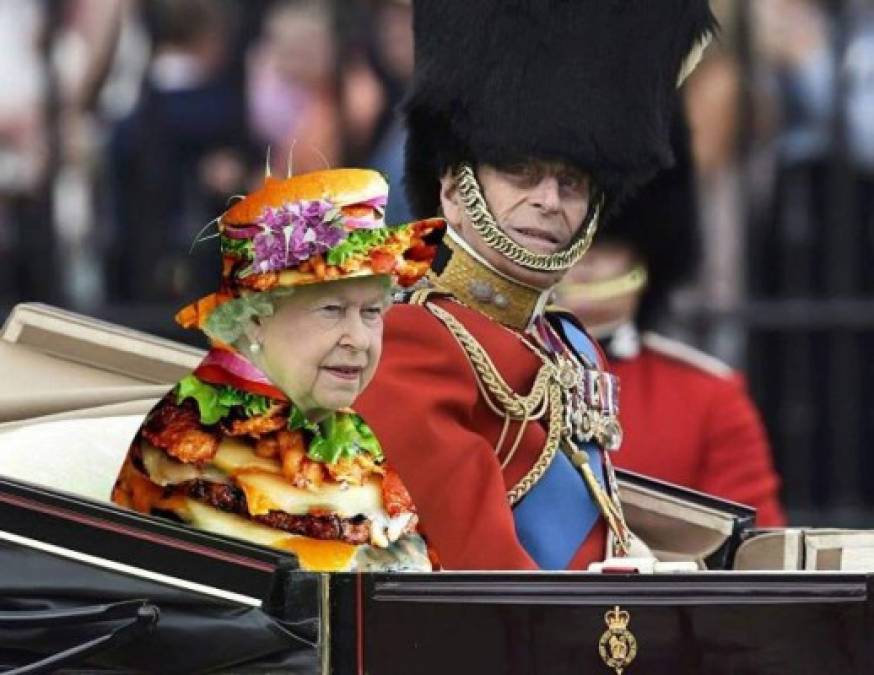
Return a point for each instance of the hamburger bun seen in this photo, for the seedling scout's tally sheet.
(339, 186)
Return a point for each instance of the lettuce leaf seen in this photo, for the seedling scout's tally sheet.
(205, 395)
(297, 420)
(358, 242)
(239, 248)
(215, 402)
(340, 436)
(343, 436)
(367, 440)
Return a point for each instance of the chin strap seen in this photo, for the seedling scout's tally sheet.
(484, 224)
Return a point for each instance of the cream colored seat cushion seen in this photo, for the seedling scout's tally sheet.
(80, 456)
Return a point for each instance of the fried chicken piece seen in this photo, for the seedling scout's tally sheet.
(267, 447)
(297, 468)
(346, 470)
(260, 282)
(353, 471)
(292, 455)
(194, 447)
(291, 462)
(256, 427)
(309, 476)
(177, 429)
(368, 465)
(290, 440)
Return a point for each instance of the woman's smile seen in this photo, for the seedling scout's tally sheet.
(345, 373)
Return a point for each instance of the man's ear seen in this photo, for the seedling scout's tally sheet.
(450, 200)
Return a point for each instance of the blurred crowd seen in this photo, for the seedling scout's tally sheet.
(125, 126)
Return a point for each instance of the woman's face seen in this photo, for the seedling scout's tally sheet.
(322, 345)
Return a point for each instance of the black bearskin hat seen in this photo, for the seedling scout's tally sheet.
(660, 222)
(589, 82)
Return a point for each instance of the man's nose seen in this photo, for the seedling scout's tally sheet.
(545, 195)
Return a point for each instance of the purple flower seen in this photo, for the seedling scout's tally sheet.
(315, 211)
(293, 233)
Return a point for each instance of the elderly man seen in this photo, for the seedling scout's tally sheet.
(525, 119)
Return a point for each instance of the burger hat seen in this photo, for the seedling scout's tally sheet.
(314, 228)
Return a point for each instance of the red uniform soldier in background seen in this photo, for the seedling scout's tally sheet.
(687, 416)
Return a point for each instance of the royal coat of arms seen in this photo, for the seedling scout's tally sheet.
(617, 645)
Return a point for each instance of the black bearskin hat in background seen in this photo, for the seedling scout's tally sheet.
(589, 82)
(660, 222)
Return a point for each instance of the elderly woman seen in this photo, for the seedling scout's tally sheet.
(259, 442)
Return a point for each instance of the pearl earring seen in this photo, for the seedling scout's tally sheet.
(255, 347)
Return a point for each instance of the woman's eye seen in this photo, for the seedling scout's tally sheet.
(372, 313)
(331, 310)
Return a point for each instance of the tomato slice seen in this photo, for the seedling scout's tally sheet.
(213, 374)
(357, 210)
(395, 498)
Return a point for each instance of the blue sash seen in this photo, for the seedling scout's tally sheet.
(558, 514)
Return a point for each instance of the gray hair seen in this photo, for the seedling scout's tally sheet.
(228, 321)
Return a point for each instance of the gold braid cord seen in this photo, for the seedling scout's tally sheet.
(545, 394)
(500, 397)
(553, 438)
(484, 224)
(516, 406)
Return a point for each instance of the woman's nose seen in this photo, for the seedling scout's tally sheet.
(355, 333)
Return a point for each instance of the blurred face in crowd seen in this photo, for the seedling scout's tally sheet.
(322, 345)
(540, 205)
(394, 26)
(298, 37)
(603, 263)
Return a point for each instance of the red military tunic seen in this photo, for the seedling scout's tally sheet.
(688, 419)
(425, 407)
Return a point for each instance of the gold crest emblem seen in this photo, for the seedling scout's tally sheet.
(617, 645)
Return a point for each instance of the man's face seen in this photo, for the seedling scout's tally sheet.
(540, 205)
(323, 344)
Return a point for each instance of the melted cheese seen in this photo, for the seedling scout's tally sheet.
(234, 455)
(313, 554)
(164, 470)
(212, 520)
(320, 555)
(266, 492)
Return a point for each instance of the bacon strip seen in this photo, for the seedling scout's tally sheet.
(177, 430)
